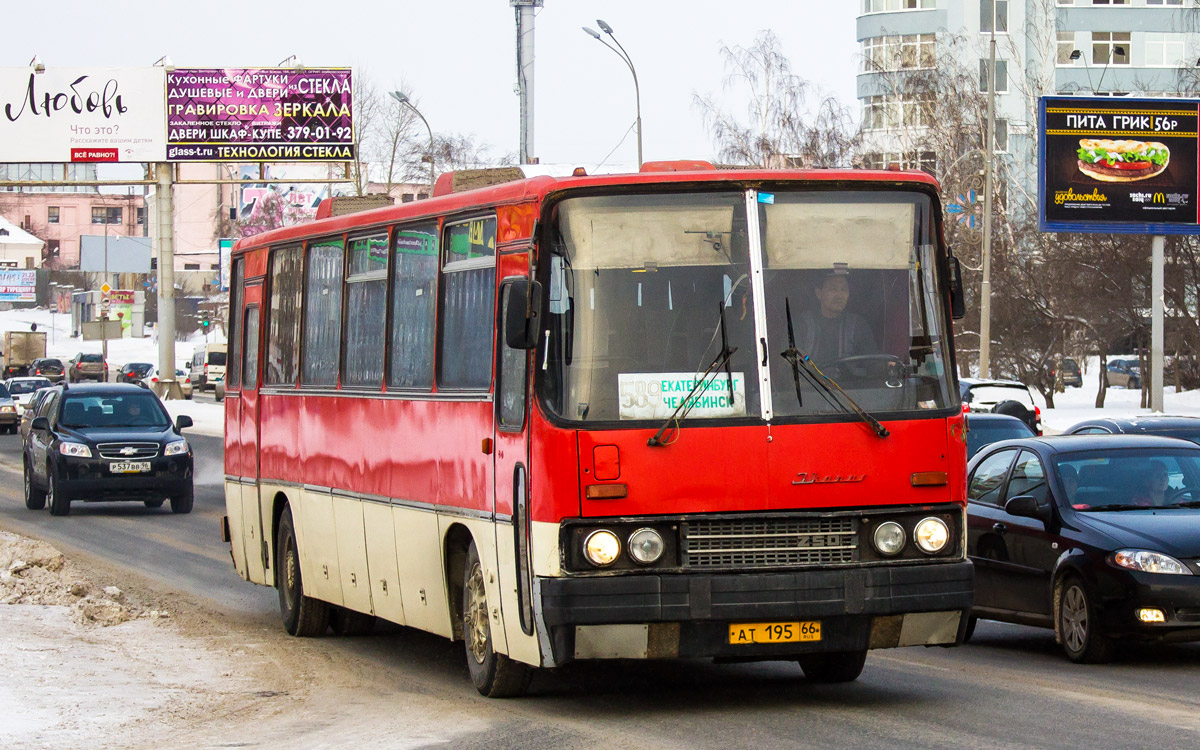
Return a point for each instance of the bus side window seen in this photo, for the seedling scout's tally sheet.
(250, 350)
(510, 375)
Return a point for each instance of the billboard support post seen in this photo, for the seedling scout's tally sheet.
(1156, 322)
(164, 202)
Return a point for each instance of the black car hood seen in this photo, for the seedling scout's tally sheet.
(1175, 532)
(120, 435)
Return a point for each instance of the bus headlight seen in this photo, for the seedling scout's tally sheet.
(601, 548)
(646, 546)
(888, 538)
(932, 535)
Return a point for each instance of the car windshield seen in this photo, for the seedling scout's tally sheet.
(20, 387)
(140, 369)
(990, 395)
(91, 358)
(645, 291)
(48, 364)
(1130, 479)
(216, 358)
(123, 410)
(983, 433)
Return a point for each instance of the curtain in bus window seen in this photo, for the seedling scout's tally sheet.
(233, 376)
(366, 311)
(283, 334)
(322, 314)
(414, 280)
(468, 305)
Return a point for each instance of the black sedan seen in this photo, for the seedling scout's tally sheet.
(106, 442)
(1096, 537)
(133, 372)
(1187, 428)
(985, 429)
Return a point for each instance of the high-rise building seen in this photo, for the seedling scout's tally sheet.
(1043, 47)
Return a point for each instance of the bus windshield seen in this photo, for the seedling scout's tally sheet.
(648, 292)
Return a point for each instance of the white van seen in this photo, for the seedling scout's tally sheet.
(208, 366)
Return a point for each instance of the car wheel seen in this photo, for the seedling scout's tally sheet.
(60, 504)
(303, 616)
(972, 621)
(154, 503)
(35, 499)
(837, 667)
(347, 622)
(494, 675)
(182, 503)
(1079, 625)
(1134, 383)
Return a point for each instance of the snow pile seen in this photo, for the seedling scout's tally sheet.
(33, 572)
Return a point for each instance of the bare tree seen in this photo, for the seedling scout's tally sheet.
(778, 130)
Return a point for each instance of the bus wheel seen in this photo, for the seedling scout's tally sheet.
(838, 667)
(303, 616)
(495, 675)
(350, 623)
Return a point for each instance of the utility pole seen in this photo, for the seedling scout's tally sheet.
(1157, 244)
(164, 202)
(525, 12)
(985, 286)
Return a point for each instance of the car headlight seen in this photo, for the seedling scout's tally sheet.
(78, 450)
(8, 409)
(646, 546)
(601, 548)
(931, 535)
(175, 448)
(888, 538)
(1148, 562)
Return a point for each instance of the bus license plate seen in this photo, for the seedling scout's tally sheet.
(129, 467)
(774, 632)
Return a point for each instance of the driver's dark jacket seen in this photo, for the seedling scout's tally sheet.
(853, 336)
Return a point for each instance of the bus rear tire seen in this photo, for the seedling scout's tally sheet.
(495, 675)
(303, 616)
(843, 666)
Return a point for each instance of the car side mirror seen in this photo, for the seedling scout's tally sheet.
(182, 421)
(1027, 506)
(40, 423)
(958, 296)
(522, 317)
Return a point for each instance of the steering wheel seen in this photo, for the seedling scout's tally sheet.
(1174, 494)
(869, 367)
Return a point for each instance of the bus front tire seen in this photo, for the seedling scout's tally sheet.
(303, 616)
(495, 675)
(836, 667)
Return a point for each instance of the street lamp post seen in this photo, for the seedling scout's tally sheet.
(624, 56)
(402, 97)
(985, 290)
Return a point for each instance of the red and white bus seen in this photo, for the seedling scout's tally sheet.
(615, 416)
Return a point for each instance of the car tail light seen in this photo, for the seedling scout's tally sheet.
(966, 408)
(154, 380)
(1037, 417)
(78, 365)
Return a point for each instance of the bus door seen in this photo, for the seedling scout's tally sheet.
(247, 421)
(512, 476)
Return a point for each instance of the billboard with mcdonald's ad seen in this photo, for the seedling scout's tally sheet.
(1119, 164)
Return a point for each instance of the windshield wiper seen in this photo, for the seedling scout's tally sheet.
(826, 385)
(681, 411)
(1117, 506)
(1184, 504)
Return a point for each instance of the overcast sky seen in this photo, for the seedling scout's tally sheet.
(458, 57)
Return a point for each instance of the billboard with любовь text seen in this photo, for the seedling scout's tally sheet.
(1119, 164)
(260, 114)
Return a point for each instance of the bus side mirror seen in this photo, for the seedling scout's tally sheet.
(958, 298)
(522, 317)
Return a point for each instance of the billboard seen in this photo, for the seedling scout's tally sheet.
(1120, 165)
(259, 114)
(18, 286)
(82, 115)
(98, 253)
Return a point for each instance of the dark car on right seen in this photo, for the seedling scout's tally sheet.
(133, 372)
(1096, 537)
(1187, 428)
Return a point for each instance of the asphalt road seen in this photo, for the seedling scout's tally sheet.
(1010, 687)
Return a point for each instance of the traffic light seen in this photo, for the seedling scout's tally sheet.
(204, 323)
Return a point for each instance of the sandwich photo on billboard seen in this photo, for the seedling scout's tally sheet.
(1122, 161)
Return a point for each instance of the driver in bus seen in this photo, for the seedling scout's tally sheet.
(830, 332)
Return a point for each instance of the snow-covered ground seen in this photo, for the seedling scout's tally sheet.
(208, 416)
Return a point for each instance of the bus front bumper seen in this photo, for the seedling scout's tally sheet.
(670, 616)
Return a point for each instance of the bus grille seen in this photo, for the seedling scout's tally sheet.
(769, 543)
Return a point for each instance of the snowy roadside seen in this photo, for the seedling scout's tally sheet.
(85, 666)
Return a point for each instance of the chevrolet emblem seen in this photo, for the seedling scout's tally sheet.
(129, 450)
